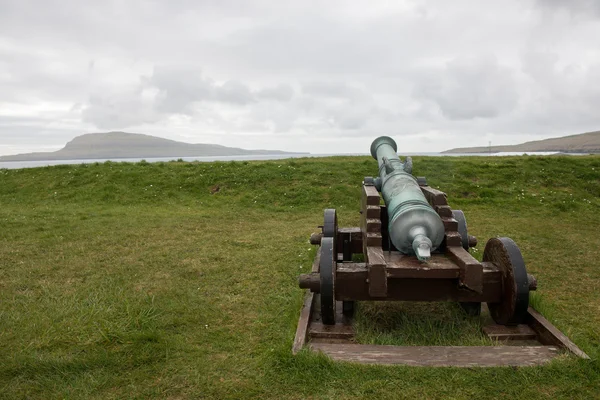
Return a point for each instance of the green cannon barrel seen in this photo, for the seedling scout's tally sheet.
(414, 226)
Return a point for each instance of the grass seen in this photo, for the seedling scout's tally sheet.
(135, 281)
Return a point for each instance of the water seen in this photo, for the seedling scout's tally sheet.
(34, 164)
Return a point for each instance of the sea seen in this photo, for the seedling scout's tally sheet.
(263, 157)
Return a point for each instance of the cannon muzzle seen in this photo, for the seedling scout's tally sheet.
(414, 226)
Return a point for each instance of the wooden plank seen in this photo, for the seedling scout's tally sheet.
(434, 197)
(338, 331)
(439, 356)
(303, 322)
(548, 334)
(443, 211)
(505, 333)
(471, 270)
(376, 272)
(402, 266)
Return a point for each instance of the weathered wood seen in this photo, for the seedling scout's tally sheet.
(310, 281)
(471, 270)
(338, 331)
(505, 333)
(403, 266)
(373, 225)
(450, 224)
(443, 211)
(305, 312)
(453, 239)
(315, 238)
(303, 322)
(549, 335)
(371, 195)
(351, 284)
(373, 240)
(376, 271)
(434, 197)
(355, 230)
(370, 227)
(356, 239)
(385, 242)
(316, 262)
(439, 356)
(373, 212)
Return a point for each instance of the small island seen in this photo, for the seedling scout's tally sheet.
(586, 143)
(115, 145)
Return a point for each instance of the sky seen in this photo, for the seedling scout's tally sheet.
(310, 76)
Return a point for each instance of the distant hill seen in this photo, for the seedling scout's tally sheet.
(582, 143)
(112, 145)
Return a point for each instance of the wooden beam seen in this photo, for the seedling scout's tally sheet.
(471, 270)
(444, 211)
(439, 356)
(434, 197)
(503, 333)
(373, 225)
(453, 239)
(338, 331)
(376, 267)
(370, 196)
(403, 266)
(303, 321)
(373, 211)
(450, 224)
(352, 284)
(356, 239)
(373, 239)
(548, 334)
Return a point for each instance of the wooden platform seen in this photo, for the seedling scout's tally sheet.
(534, 343)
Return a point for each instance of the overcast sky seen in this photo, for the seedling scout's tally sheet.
(305, 75)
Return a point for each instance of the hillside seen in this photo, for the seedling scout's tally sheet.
(582, 143)
(113, 145)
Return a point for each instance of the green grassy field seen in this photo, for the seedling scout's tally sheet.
(135, 281)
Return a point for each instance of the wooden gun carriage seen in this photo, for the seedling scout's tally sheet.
(414, 247)
(446, 272)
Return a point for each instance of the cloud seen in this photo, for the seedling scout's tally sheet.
(281, 92)
(470, 87)
(586, 8)
(296, 75)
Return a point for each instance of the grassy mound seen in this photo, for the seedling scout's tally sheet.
(178, 280)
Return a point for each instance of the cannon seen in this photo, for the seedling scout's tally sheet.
(413, 247)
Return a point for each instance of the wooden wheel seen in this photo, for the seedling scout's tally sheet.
(459, 216)
(330, 223)
(505, 254)
(327, 267)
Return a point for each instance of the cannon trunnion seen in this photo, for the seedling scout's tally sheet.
(413, 248)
